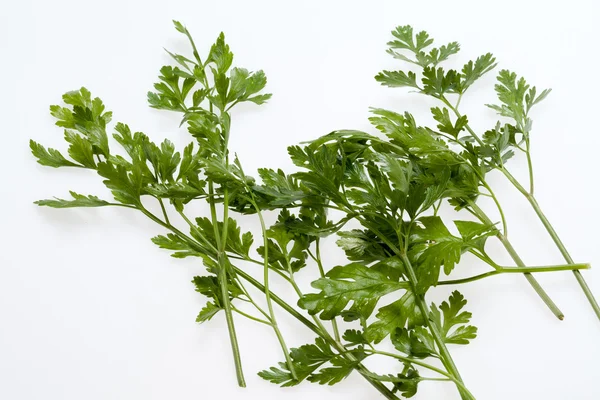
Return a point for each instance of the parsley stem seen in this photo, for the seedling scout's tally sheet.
(498, 206)
(458, 115)
(503, 236)
(250, 299)
(424, 365)
(222, 276)
(529, 165)
(195, 229)
(445, 355)
(164, 211)
(320, 330)
(517, 259)
(336, 331)
(513, 270)
(409, 360)
(253, 318)
(223, 282)
(552, 232)
(267, 292)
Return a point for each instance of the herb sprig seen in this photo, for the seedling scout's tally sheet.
(492, 149)
(392, 185)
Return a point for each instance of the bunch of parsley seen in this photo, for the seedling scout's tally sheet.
(393, 185)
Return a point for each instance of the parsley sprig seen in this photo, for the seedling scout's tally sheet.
(494, 147)
(391, 184)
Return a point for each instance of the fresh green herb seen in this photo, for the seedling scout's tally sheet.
(493, 148)
(392, 185)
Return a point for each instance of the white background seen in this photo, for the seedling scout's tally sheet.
(91, 309)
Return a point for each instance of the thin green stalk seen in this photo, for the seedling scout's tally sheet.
(225, 232)
(498, 205)
(532, 281)
(445, 355)
(250, 299)
(224, 288)
(198, 232)
(267, 290)
(561, 247)
(459, 383)
(517, 259)
(337, 344)
(253, 318)
(554, 268)
(282, 343)
(458, 115)
(529, 164)
(222, 277)
(410, 360)
(164, 210)
(334, 325)
(319, 330)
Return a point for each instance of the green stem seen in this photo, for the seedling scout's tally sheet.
(224, 289)
(164, 211)
(553, 268)
(250, 299)
(561, 247)
(445, 355)
(334, 325)
(225, 232)
(222, 277)
(267, 292)
(532, 281)
(498, 206)
(322, 332)
(341, 348)
(253, 318)
(198, 232)
(410, 360)
(458, 115)
(517, 259)
(529, 164)
(459, 383)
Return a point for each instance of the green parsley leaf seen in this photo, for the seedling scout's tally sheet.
(173, 242)
(454, 318)
(397, 79)
(399, 314)
(344, 284)
(49, 157)
(79, 200)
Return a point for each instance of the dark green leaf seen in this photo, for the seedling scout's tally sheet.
(207, 312)
(454, 318)
(173, 242)
(399, 314)
(352, 282)
(475, 70)
(79, 200)
(397, 79)
(220, 54)
(445, 123)
(409, 343)
(354, 337)
(49, 157)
